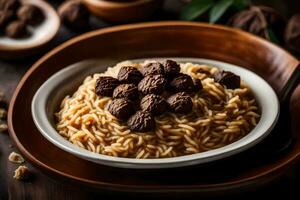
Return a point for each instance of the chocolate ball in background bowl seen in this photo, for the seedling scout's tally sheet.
(30, 14)
(41, 25)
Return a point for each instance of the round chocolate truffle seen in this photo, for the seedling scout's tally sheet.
(228, 79)
(182, 83)
(180, 103)
(5, 18)
(74, 14)
(12, 5)
(154, 104)
(171, 68)
(31, 14)
(152, 69)
(121, 108)
(153, 84)
(105, 85)
(141, 121)
(128, 91)
(129, 74)
(16, 29)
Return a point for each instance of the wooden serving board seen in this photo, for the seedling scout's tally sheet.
(161, 39)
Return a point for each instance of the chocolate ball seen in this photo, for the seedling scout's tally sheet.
(152, 69)
(154, 104)
(31, 14)
(171, 68)
(292, 33)
(228, 79)
(5, 18)
(11, 5)
(180, 103)
(141, 121)
(128, 91)
(74, 15)
(105, 85)
(182, 83)
(129, 74)
(121, 108)
(16, 29)
(152, 84)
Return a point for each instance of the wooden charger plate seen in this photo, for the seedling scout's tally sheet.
(160, 39)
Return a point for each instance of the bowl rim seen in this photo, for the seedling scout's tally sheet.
(116, 4)
(231, 183)
(269, 116)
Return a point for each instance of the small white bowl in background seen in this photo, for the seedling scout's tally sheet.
(40, 35)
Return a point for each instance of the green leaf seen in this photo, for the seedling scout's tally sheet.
(272, 36)
(195, 9)
(219, 9)
(241, 4)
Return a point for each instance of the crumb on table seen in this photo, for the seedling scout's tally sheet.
(15, 158)
(22, 173)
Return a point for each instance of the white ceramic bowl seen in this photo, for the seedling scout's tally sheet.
(47, 99)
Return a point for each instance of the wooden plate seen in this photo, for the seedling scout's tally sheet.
(162, 39)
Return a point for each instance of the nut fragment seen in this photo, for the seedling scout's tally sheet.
(129, 74)
(152, 69)
(154, 104)
(228, 79)
(74, 14)
(127, 91)
(16, 29)
(153, 84)
(105, 85)
(171, 68)
(141, 121)
(3, 127)
(15, 158)
(22, 173)
(31, 14)
(180, 103)
(3, 113)
(121, 108)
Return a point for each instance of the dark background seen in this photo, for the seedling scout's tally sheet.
(42, 187)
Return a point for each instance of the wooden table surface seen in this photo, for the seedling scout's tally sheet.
(42, 187)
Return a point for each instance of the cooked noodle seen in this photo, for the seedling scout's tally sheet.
(220, 116)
